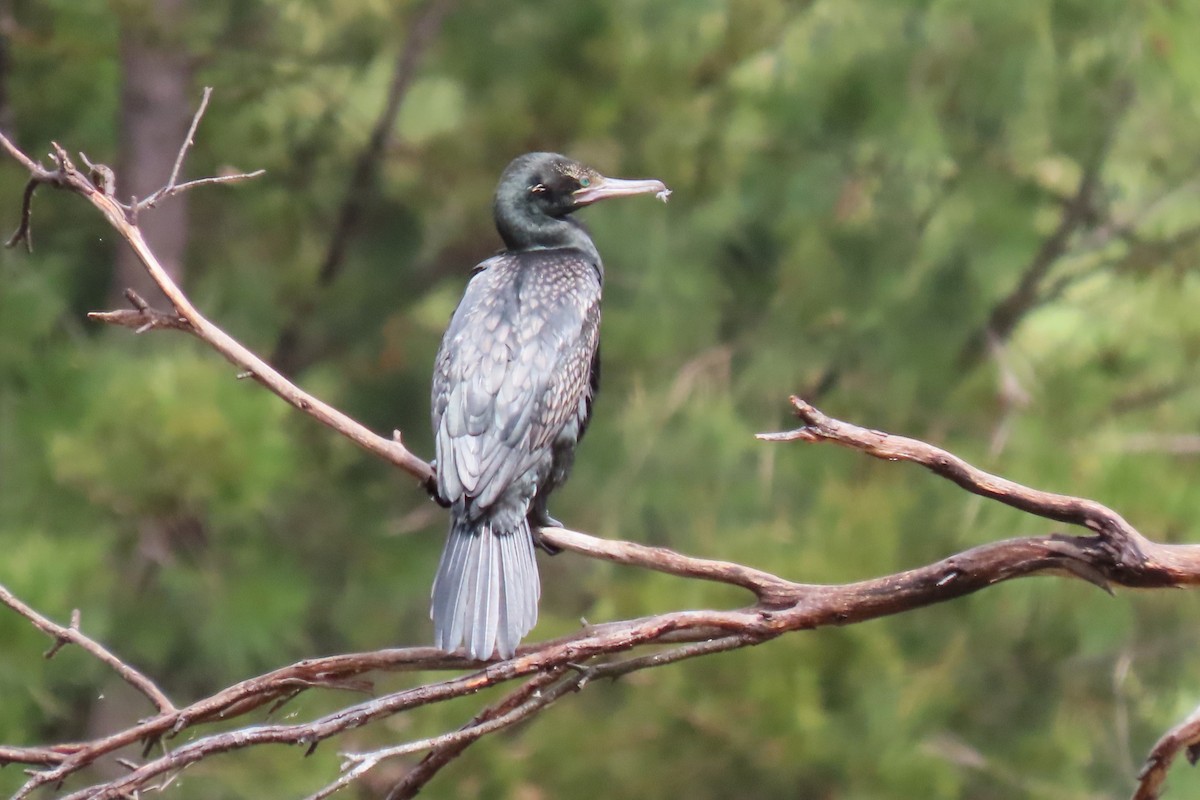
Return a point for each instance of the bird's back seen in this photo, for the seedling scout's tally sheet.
(513, 370)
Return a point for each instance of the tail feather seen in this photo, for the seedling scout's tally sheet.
(485, 595)
(447, 596)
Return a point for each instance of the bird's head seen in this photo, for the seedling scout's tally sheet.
(538, 187)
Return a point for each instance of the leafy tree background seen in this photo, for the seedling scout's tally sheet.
(858, 183)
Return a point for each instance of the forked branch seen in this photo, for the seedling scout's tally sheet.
(123, 219)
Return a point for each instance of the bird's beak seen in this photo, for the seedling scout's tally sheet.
(603, 188)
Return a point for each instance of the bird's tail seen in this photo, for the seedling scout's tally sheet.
(485, 595)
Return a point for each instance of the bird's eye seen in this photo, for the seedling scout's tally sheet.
(585, 182)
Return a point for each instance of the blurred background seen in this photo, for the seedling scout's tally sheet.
(972, 222)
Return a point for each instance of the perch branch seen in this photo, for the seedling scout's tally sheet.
(793, 607)
(812, 606)
(66, 176)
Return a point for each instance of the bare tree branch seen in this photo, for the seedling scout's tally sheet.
(66, 176)
(38, 176)
(39, 756)
(442, 754)
(73, 635)
(172, 187)
(535, 695)
(1183, 737)
(818, 427)
(811, 606)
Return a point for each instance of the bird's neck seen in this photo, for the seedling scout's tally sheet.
(543, 232)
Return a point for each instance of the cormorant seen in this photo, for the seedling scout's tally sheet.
(512, 395)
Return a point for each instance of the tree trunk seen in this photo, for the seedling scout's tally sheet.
(6, 23)
(155, 111)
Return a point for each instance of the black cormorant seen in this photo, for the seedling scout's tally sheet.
(512, 394)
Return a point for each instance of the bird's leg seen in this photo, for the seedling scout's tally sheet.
(430, 485)
(540, 518)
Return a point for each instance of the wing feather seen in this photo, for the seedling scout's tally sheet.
(512, 371)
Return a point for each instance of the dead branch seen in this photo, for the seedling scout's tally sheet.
(1135, 561)
(535, 695)
(809, 606)
(1183, 737)
(72, 635)
(442, 754)
(122, 219)
(1114, 554)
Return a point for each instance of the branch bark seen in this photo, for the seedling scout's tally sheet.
(1184, 737)
(156, 81)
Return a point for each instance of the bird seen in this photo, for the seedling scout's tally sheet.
(513, 385)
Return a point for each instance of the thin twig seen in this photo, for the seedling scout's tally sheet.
(769, 589)
(536, 702)
(31, 166)
(37, 176)
(73, 635)
(442, 754)
(24, 231)
(172, 186)
(188, 141)
(141, 318)
(186, 185)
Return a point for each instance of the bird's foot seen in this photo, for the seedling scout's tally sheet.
(541, 543)
(430, 485)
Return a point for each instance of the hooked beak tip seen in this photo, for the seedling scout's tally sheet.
(604, 188)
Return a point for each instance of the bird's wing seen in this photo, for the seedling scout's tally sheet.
(513, 370)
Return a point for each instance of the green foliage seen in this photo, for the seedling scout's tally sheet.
(857, 184)
(174, 431)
